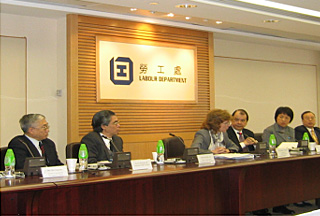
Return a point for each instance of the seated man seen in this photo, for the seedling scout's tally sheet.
(242, 137)
(308, 125)
(103, 141)
(34, 141)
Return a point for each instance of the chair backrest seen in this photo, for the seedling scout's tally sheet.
(3, 153)
(258, 137)
(72, 150)
(173, 147)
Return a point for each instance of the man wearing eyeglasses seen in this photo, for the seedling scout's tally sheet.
(103, 141)
(34, 142)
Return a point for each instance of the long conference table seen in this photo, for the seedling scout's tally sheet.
(230, 187)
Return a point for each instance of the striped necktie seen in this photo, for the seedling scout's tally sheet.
(241, 138)
(42, 148)
(314, 136)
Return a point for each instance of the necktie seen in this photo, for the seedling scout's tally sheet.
(241, 138)
(110, 140)
(42, 148)
(314, 136)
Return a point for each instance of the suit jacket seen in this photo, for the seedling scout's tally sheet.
(300, 130)
(97, 149)
(202, 141)
(233, 136)
(19, 146)
(282, 134)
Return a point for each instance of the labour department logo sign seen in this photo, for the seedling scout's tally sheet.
(121, 71)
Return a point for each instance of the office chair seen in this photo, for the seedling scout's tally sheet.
(3, 153)
(173, 147)
(72, 150)
(258, 137)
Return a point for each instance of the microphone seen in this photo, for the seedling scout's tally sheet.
(114, 145)
(111, 142)
(171, 134)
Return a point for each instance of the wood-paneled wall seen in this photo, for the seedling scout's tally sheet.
(141, 124)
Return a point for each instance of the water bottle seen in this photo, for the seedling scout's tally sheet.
(305, 136)
(272, 144)
(9, 164)
(83, 157)
(160, 152)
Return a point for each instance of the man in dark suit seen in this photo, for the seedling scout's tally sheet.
(308, 125)
(103, 141)
(242, 137)
(34, 141)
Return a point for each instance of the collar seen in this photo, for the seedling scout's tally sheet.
(237, 131)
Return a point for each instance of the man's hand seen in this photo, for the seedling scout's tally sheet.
(250, 141)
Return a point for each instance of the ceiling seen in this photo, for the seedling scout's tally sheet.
(241, 21)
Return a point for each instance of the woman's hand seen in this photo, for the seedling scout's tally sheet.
(220, 150)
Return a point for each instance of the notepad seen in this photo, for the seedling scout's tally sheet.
(234, 156)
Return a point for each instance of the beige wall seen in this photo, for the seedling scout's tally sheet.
(46, 70)
(283, 77)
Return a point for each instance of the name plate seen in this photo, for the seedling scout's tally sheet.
(141, 164)
(282, 152)
(206, 159)
(54, 171)
(318, 148)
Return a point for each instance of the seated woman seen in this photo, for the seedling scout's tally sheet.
(280, 128)
(212, 138)
(283, 133)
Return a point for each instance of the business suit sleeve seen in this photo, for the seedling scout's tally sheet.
(266, 134)
(20, 152)
(249, 133)
(299, 131)
(93, 150)
(201, 141)
(51, 153)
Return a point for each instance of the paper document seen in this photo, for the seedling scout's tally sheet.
(288, 145)
(235, 156)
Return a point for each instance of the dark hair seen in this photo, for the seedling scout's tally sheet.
(214, 119)
(242, 112)
(29, 120)
(306, 112)
(101, 117)
(284, 110)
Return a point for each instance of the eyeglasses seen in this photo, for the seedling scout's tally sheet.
(44, 127)
(116, 123)
(226, 122)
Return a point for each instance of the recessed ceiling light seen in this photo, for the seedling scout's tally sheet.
(187, 18)
(218, 22)
(133, 9)
(153, 3)
(170, 15)
(186, 6)
(270, 21)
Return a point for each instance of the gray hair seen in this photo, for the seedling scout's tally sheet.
(27, 121)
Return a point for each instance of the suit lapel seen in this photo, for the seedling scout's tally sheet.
(235, 137)
(105, 149)
(33, 149)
